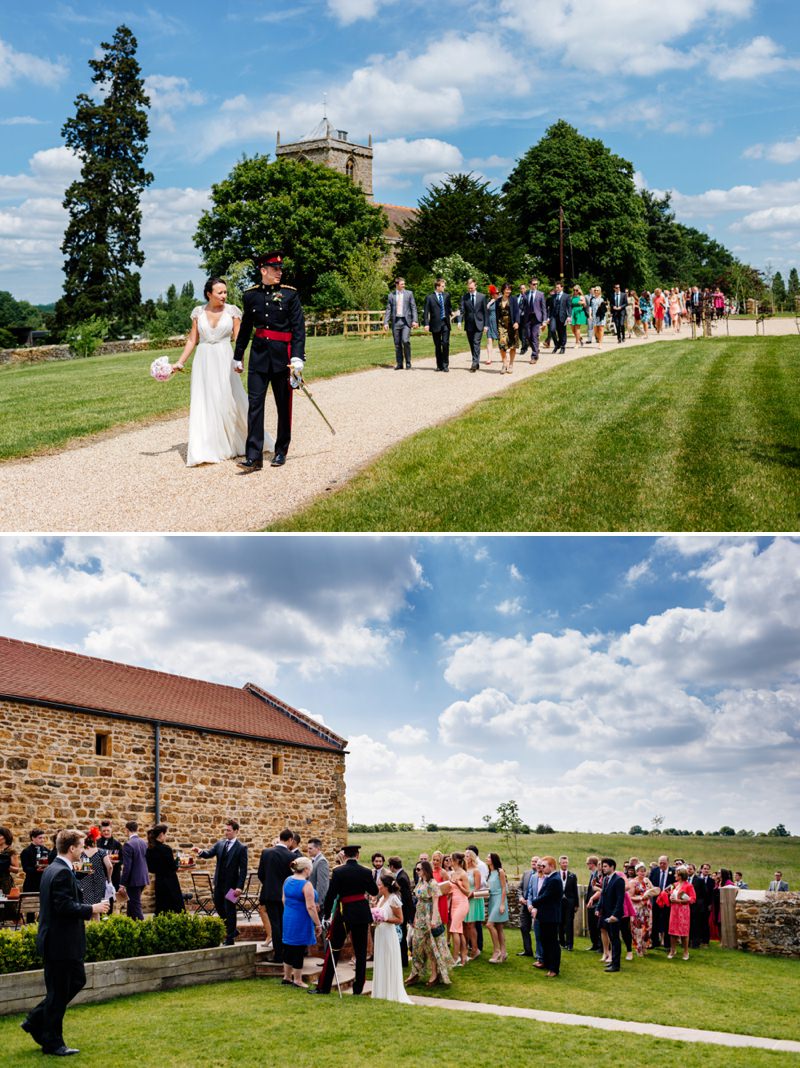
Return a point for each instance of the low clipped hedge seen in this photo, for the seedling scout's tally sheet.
(118, 937)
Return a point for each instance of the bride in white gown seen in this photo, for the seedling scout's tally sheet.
(387, 967)
(218, 403)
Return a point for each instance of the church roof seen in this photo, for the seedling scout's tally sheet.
(39, 674)
(398, 217)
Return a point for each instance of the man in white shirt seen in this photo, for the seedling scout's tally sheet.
(401, 317)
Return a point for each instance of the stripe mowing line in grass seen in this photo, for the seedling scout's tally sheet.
(774, 447)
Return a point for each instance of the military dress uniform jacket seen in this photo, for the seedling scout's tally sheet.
(275, 308)
(351, 879)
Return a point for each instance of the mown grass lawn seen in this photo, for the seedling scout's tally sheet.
(257, 1022)
(757, 858)
(680, 436)
(48, 405)
(715, 990)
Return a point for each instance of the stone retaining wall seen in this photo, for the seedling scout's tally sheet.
(42, 353)
(20, 991)
(768, 923)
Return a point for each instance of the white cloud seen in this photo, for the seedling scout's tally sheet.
(408, 735)
(511, 606)
(169, 95)
(399, 156)
(780, 218)
(50, 171)
(515, 573)
(637, 573)
(760, 58)
(18, 67)
(22, 120)
(349, 11)
(777, 152)
(736, 198)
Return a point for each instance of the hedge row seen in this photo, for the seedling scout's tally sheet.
(118, 937)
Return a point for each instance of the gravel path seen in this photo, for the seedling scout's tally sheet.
(136, 480)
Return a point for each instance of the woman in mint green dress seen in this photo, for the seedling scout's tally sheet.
(477, 911)
(498, 908)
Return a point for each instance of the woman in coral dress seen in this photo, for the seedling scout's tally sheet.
(681, 899)
(459, 907)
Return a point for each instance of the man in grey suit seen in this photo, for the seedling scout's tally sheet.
(320, 869)
(401, 317)
(474, 317)
(525, 918)
(134, 875)
(535, 311)
(779, 883)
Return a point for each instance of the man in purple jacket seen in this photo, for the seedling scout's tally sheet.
(134, 876)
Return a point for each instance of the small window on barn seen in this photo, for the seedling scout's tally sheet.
(277, 765)
(102, 743)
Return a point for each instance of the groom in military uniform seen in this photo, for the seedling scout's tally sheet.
(273, 313)
(347, 907)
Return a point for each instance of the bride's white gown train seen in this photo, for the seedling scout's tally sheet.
(387, 966)
(218, 403)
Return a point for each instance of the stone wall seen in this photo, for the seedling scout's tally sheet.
(43, 353)
(50, 777)
(768, 923)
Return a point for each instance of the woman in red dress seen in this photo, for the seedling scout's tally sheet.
(441, 876)
(681, 899)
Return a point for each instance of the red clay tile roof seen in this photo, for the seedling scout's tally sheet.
(55, 677)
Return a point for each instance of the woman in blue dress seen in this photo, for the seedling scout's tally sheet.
(646, 308)
(300, 922)
(498, 908)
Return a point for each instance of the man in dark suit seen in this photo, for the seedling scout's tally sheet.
(569, 904)
(230, 875)
(401, 318)
(594, 882)
(546, 908)
(436, 319)
(661, 876)
(522, 303)
(61, 940)
(612, 909)
(274, 868)
(407, 901)
(559, 313)
(135, 876)
(619, 310)
(534, 309)
(699, 910)
(475, 320)
(525, 918)
(347, 907)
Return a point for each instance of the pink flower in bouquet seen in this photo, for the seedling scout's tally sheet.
(160, 369)
(377, 916)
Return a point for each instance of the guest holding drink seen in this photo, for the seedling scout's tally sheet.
(94, 870)
(9, 864)
(163, 864)
(33, 859)
(113, 846)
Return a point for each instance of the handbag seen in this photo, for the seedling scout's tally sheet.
(481, 894)
(438, 930)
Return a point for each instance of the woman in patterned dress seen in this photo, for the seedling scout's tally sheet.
(430, 934)
(93, 881)
(641, 890)
(507, 309)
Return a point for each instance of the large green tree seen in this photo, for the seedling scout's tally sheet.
(606, 232)
(793, 289)
(462, 216)
(102, 241)
(317, 216)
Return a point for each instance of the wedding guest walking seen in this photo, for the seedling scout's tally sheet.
(61, 941)
(578, 314)
(401, 318)
(436, 320)
(619, 306)
(387, 968)
(507, 310)
(475, 319)
(535, 311)
(347, 906)
(559, 313)
(229, 876)
(492, 335)
(134, 877)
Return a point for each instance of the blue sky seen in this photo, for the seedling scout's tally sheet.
(702, 98)
(598, 681)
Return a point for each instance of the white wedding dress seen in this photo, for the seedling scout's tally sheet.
(218, 403)
(387, 966)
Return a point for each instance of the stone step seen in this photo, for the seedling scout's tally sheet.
(267, 969)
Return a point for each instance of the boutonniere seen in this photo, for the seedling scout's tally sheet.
(277, 297)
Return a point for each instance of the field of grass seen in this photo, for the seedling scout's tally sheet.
(47, 405)
(257, 1022)
(680, 436)
(757, 858)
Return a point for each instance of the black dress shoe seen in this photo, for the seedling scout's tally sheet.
(398, 367)
(473, 368)
(611, 968)
(35, 1035)
(278, 460)
(251, 465)
(62, 1051)
(447, 368)
(524, 954)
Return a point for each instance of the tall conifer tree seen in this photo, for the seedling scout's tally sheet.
(102, 241)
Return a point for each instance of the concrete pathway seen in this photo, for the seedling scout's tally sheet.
(136, 479)
(678, 1034)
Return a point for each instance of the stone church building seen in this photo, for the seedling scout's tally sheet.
(82, 739)
(333, 148)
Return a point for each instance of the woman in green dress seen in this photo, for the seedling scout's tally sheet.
(430, 934)
(578, 314)
(477, 910)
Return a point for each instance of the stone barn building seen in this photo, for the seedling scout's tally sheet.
(83, 738)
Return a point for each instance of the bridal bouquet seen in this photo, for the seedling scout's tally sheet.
(377, 916)
(160, 369)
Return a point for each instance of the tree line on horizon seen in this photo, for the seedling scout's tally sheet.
(333, 236)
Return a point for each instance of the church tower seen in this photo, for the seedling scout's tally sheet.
(333, 149)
